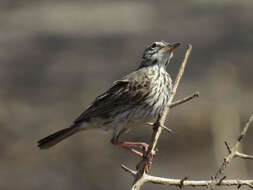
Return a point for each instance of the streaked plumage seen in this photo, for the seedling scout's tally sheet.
(137, 98)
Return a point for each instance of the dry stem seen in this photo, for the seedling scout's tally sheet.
(218, 180)
(186, 99)
(158, 127)
(184, 182)
(233, 152)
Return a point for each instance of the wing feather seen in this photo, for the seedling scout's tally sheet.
(130, 91)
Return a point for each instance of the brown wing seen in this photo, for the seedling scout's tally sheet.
(130, 91)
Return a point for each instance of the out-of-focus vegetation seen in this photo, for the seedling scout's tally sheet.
(57, 56)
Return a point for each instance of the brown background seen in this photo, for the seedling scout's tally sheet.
(57, 56)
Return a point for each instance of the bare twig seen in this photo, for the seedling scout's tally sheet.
(186, 99)
(193, 183)
(132, 172)
(233, 152)
(244, 156)
(217, 180)
(174, 104)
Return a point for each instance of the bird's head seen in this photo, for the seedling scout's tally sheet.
(158, 53)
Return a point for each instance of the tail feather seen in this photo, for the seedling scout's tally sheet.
(55, 138)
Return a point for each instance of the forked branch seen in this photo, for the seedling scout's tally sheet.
(233, 152)
(218, 180)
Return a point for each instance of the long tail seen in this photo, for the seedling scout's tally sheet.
(57, 137)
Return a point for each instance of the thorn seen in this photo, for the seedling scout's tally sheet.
(238, 187)
(166, 129)
(219, 183)
(196, 94)
(150, 124)
(228, 147)
(240, 137)
(250, 185)
(182, 182)
(128, 169)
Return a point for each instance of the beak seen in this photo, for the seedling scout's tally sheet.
(170, 47)
(174, 46)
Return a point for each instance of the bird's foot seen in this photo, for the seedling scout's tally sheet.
(147, 157)
(146, 161)
(141, 145)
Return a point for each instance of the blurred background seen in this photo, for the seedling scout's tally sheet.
(57, 56)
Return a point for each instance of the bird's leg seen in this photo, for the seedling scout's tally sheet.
(130, 146)
(140, 145)
(146, 158)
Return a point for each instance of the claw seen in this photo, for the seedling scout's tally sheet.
(149, 161)
(147, 158)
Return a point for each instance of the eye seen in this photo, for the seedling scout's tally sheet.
(153, 45)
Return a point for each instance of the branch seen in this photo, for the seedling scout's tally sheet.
(184, 182)
(186, 99)
(176, 103)
(132, 172)
(233, 152)
(244, 156)
(159, 125)
(217, 180)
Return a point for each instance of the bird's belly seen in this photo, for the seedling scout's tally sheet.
(134, 115)
(138, 115)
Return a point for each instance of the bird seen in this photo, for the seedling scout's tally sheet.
(132, 101)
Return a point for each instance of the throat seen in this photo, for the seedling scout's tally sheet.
(160, 68)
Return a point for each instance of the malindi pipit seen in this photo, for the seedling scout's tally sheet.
(132, 101)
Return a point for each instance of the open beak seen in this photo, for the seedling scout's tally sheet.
(174, 46)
